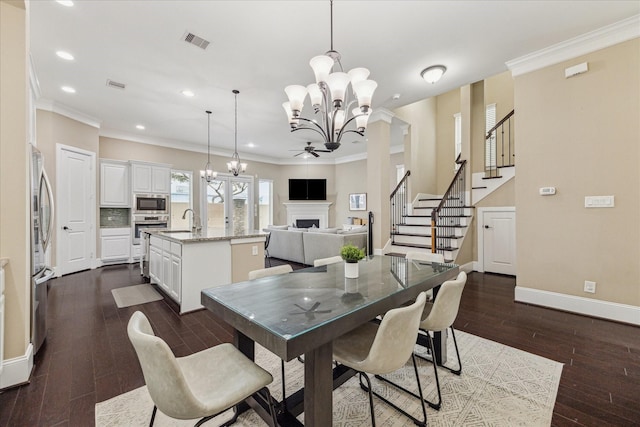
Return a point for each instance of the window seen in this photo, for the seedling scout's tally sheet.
(265, 202)
(181, 189)
(457, 123)
(490, 144)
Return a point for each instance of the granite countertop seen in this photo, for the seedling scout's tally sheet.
(212, 234)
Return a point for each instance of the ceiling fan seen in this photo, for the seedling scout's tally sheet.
(311, 150)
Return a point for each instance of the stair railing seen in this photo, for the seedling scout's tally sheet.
(449, 211)
(503, 148)
(399, 204)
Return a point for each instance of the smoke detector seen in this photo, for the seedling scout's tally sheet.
(196, 40)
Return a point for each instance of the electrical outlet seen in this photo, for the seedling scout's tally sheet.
(254, 251)
(590, 287)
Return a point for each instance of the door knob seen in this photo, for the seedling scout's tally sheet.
(65, 228)
(486, 226)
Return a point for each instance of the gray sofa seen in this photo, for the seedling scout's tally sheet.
(306, 246)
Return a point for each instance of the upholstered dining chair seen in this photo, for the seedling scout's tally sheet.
(384, 348)
(326, 261)
(201, 385)
(438, 317)
(270, 271)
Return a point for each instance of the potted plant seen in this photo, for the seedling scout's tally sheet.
(351, 254)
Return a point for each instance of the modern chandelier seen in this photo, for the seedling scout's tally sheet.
(235, 166)
(208, 174)
(331, 100)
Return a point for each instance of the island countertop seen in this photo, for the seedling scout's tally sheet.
(211, 234)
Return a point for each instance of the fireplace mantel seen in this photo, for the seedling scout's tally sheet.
(308, 210)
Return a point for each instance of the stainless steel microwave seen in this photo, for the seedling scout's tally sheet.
(151, 204)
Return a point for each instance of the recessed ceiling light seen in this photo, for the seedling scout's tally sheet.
(188, 93)
(68, 89)
(251, 145)
(65, 55)
(67, 3)
(141, 127)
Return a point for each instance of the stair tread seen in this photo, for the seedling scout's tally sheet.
(424, 235)
(430, 199)
(418, 245)
(491, 177)
(479, 188)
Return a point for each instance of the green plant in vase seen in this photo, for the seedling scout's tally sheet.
(351, 253)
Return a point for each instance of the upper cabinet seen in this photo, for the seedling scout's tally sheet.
(114, 184)
(150, 178)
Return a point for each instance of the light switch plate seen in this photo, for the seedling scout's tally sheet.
(254, 250)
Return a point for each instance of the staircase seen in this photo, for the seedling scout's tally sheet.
(431, 221)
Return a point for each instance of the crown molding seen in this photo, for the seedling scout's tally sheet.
(604, 37)
(381, 114)
(63, 110)
(33, 79)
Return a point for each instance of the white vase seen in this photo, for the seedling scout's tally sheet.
(351, 270)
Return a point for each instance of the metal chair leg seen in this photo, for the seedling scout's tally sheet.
(153, 415)
(455, 343)
(284, 389)
(370, 391)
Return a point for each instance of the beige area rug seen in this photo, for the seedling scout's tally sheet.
(134, 295)
(499, 386)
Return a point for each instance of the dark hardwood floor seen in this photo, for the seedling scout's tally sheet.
(87, 357)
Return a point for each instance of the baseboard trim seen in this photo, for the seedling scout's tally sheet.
(16, 371)
(468, 267)
(587, 306)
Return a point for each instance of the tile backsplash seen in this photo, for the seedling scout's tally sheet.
(115, 217)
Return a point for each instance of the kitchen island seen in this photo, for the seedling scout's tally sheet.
(182, 263)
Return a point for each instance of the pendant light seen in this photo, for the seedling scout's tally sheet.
(235, 166)
(208, 174)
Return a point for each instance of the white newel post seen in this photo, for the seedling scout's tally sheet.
(308, 210)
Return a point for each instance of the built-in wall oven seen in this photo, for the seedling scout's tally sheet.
(151, 204)
(147, 221)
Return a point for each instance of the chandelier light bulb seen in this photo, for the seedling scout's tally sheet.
(358, 75)
(315, 94)
(292, 120)
(321, 66)
(338, 121)
(364, 92)
(338, 83)
(296, 94)
(361, 118)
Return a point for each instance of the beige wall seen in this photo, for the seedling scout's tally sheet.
(14, 177)
(53, 129)
(448, 105)
(421, 158)
(582, 136)
(352, 177)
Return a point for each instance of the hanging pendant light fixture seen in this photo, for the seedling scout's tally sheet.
(208, 174)
(330, 99)
(235, 166)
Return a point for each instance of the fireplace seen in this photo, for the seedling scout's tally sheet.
(306, 223)
(308, 211)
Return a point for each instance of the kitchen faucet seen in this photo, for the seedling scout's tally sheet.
(196, 227)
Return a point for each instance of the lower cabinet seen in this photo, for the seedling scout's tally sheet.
(115, 244)
(165, 266)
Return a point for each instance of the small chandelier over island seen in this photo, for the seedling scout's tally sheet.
(235, 166)
(330, 99)
(208, 174)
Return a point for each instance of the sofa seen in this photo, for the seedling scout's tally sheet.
(304, 245)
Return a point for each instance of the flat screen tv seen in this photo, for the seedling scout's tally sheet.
(307, 189)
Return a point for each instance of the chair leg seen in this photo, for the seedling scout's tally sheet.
(421, 423)
(370, 391)
(434, 405)
(153, 415)
(455, 343)
(284, 388)
(205, 419)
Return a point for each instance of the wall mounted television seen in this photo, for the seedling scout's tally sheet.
(307, 189)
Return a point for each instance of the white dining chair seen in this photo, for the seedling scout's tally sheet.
(270, 271)
(326, 261)
(201, 385)
(384, 348)
(439, 317)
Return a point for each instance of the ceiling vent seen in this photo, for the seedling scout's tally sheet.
(116, 85)
(196, 41)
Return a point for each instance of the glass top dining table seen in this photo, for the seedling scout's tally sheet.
(304, 311)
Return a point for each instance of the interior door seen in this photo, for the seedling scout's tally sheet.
(499, 242)
(76, 201)
(228, 203)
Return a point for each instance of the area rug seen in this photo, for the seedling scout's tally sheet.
(135, 295)
(499, 386)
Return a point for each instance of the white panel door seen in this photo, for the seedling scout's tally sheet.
(500, 242)
(76, 199)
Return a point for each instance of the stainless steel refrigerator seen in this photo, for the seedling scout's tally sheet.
(41, 228)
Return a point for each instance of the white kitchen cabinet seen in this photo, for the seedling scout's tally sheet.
(165, 266)
(115, 244)
(150, 178)
(176, 277)
(155, 262)
(115, 190)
